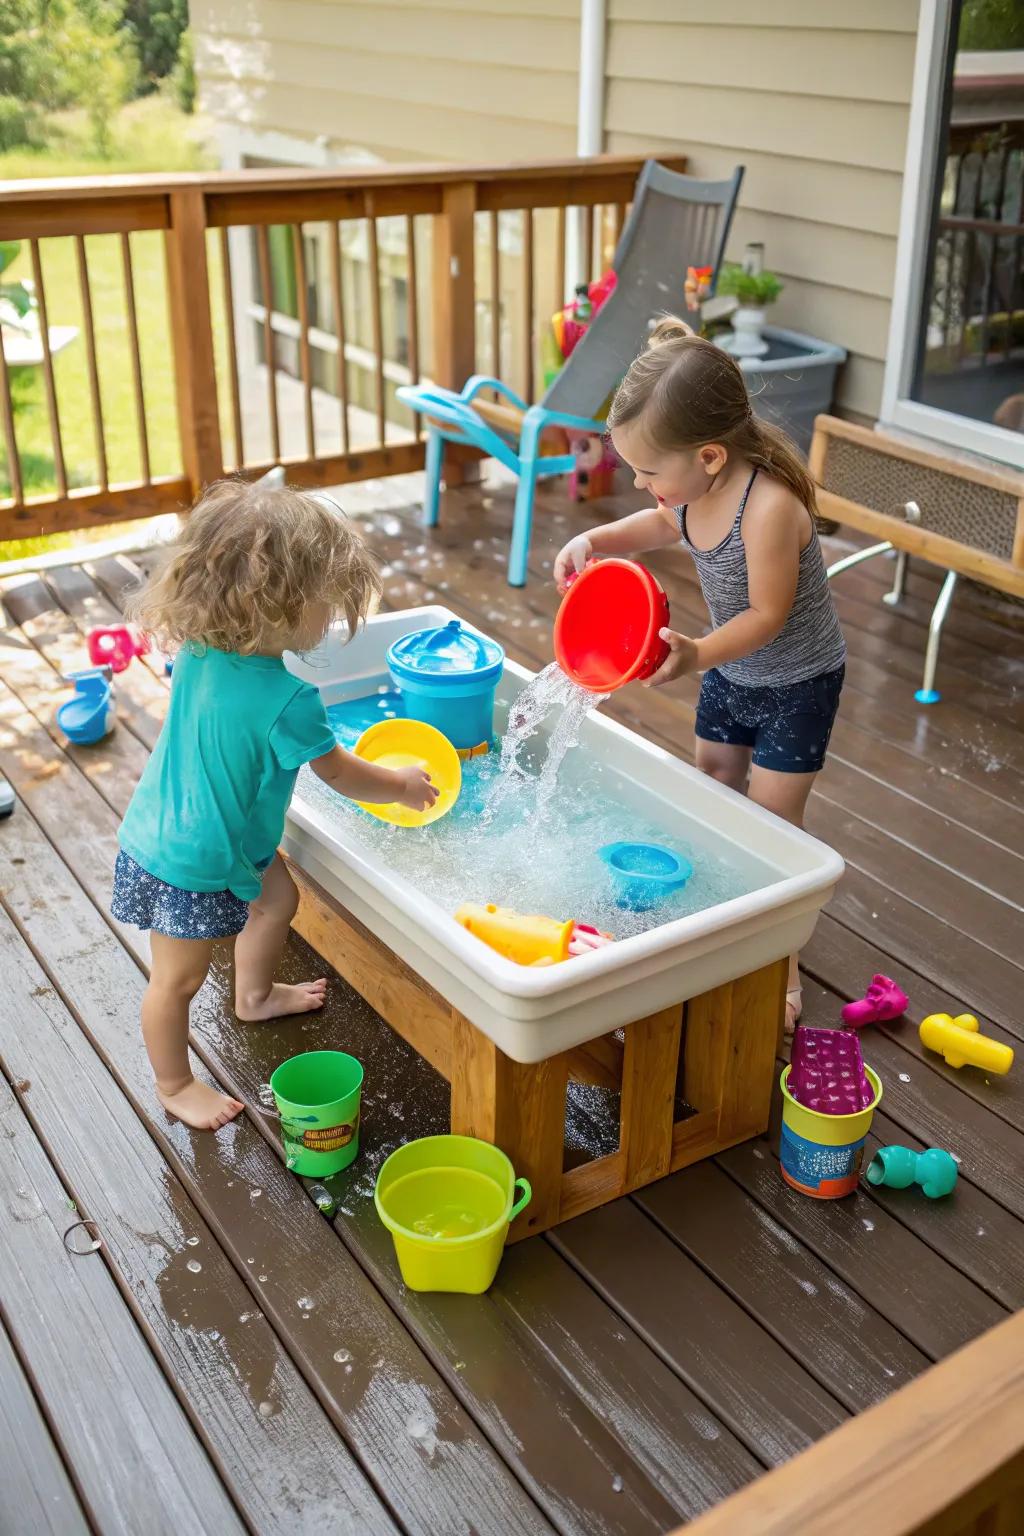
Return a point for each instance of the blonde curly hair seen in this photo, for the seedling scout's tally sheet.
(250, 563)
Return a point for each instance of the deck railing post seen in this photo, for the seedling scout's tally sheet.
(454, 283)
(195, 377)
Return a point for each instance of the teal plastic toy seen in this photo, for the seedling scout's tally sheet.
(899, 1167)
(88, 715)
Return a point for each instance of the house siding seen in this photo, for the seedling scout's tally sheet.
(812, 96)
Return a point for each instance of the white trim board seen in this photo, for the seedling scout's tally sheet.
(897, 409)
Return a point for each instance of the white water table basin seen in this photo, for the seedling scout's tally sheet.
(486, 1022)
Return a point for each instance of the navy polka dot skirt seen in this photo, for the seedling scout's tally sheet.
(143, 900)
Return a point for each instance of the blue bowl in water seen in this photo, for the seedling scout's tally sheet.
(644, 874)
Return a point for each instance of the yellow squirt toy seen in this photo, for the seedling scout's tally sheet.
(526, 938)
(529, 938)
(959, 1042)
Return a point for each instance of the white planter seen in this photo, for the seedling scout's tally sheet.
(746, 339)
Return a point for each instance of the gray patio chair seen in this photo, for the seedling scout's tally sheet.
(676, 222)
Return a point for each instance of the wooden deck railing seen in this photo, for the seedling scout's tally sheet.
(296, 301)
(942, 1457)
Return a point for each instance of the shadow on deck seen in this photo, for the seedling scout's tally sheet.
(229, 1359)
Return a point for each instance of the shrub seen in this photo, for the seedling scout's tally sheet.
(753, 288)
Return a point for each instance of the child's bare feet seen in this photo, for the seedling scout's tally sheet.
(281, 1000)
(200, 1106)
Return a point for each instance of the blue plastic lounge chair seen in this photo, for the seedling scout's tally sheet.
(676, 222)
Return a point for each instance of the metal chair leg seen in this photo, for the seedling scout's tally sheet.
(899, 580)
(926, 694)
(858, 557)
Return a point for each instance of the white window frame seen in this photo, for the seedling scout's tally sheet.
(898, 410)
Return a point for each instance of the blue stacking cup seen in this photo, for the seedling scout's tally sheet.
(448, 677)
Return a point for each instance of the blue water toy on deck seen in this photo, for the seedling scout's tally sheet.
(89, 715)
(899, 1167)
(644, 874)
(448, 676)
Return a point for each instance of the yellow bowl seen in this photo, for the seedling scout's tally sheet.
(412, 744)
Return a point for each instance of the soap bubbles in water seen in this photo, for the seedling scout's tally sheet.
(530, 820)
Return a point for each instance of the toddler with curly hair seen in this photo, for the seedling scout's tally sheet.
(256, 571)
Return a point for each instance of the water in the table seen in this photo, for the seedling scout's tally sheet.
(526, 830)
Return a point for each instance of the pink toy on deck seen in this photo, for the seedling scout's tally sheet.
(827, 1072)
(594, 466)
(115, 647)
(882, 1002)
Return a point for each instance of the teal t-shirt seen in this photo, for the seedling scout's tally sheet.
(209, 809)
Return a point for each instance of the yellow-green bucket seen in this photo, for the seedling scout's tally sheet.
(821, 1155)
(447, 1202)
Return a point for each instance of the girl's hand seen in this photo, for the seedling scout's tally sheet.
(415, 789)
(571, 560)
(683, 657)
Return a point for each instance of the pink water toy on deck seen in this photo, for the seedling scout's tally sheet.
(827, 1072)
(115, 646)
(883, 1001)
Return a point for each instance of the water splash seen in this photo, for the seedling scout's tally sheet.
(550, 691)
(529, 822)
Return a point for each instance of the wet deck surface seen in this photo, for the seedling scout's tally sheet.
(230, 1359)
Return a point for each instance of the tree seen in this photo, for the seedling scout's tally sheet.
(155, 28)
(63, 53)
(991, 25)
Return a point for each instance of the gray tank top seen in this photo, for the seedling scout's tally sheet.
(809, 643)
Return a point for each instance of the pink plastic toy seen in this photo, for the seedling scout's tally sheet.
(827, 1072)
(585, 938)
(883, 1001)
(115, 647)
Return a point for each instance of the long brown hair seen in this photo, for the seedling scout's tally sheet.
(689, 392)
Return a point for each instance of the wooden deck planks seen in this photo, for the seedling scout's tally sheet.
(32, 1475)
(137, 1463)
(274, 1445)
(258, 1213)
(928, 806)
(938, 1313)
(526, 1401)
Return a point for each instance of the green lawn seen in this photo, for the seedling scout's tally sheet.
(151, 136)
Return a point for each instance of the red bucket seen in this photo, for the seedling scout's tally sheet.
(607, 629)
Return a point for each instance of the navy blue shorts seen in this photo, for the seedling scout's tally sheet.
(143, 900)
(788, 727)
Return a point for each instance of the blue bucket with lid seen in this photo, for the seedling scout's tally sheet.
(448, 676)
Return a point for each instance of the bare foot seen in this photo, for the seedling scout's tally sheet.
(794, 1008)
(282, 1000)
(200, 1106)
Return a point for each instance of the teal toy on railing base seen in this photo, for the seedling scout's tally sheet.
(89, 715)
(899, 1167)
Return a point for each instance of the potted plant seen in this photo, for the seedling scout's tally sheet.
(753, 291)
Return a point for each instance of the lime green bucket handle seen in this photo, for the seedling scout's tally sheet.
(524, 1198)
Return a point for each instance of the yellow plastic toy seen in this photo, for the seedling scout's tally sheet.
(959, 1042)
(412, 744)
(528, 939)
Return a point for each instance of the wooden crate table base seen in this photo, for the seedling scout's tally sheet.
(715, 1054)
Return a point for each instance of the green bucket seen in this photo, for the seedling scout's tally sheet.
(317, 1096)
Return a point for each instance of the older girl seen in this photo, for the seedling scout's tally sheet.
(737, 496)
